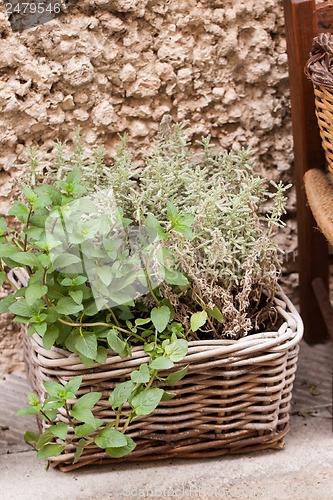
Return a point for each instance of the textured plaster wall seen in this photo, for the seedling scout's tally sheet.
(115, 66)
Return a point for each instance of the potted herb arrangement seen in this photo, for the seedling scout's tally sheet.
(155, 326)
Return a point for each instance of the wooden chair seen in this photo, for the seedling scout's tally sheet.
(303, 21)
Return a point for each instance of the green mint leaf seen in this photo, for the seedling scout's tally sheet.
(74, 384)
(161, 363)
(30, 195)
(26, 259)
(54, 389)
(79, 449)
(32, 398)
(146, 401)
(3, 226)
(110, 438)
(86, 344)
(141, 376)
(50, 336)
(87, 401)
(21, 308)
(45, 438)
(40, 328)
(121, 451)
(28, 410)
(174, 377)
(35, 292)
(116, 344)
(66, 306)
(3, 277)
(65, 260)
(84, 415)
(20, 211)
(216, 314)
(121, 394)
(5, 303)
(168, 395)
(102, 355)
(59, 430)
(172, 212)
(31, 438)
(7, 250)
(173, 277)
(77, 296)
(198, 319)
(85, 429)
(177, 350)
(50, 450)
(160, 317)
(104, 274)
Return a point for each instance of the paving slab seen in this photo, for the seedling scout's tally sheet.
(301, 471)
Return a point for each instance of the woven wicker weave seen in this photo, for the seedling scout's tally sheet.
(235, 397)
(319, 70)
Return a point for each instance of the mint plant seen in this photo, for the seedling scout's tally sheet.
(183, 251)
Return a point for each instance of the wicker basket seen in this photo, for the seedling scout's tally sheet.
(234, 399)
(319, 69)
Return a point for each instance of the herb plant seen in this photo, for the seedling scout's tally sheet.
(120, 256)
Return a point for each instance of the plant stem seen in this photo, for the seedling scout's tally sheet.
(98, 323)
(27, 226)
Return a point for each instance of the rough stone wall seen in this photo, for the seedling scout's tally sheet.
(115, 66)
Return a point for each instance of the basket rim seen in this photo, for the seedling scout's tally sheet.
(274, 343)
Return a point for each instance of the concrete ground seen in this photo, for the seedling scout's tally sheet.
(302, 471)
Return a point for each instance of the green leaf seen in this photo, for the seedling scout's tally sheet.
(26, 259)
(86, 344)
(59, 430)
(172, 212)
(31, 438)
(3, 226)
(102, 355)
(198, 319)
(20, 211)
(174, 377)
(32, 398)
(66, 305)
(50, 450)
(3, 277)
(141, 376)
(86, 429)
(7, 249)
(5, 303)
(34, 292)
(65, 260)
(30, 195)
(87, 401)
(160, 317)
(50, 336)
(54, 389)
(121, 394)
(79, 449)
(121, 451)
(116, 344)
(110, 438)
(84, 415)
(216, 314)
(146, 401)
(45, 438)
(173, 277)
(77, 296)
(74, 384)
(177, 350)
(105, 275)
(161, 363)
(28, 410)
(168, 395)
(41, 328)
(21, 308)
